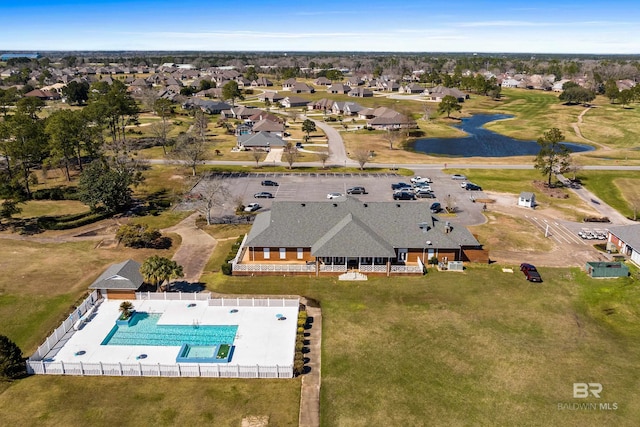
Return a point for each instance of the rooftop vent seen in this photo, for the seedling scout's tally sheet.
(303, 204)
(366, 205)
(398, 204)
(335, 205)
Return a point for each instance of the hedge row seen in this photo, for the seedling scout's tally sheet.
(227, 268)
(65, 222)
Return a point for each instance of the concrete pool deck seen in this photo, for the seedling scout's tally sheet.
(261, 338)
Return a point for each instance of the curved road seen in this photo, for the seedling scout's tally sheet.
(338, 154)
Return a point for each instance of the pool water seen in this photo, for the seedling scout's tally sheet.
(199, 351)
(144, 330)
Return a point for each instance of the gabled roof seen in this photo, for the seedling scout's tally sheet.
(265, 125)
(349, 236)
(260, 139)
(629, 234)
(125, 275)
(361, 229)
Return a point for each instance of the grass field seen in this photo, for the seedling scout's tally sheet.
(479, 347)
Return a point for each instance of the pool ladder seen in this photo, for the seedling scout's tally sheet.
(196, 324)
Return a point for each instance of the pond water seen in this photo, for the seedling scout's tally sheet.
(481, 142)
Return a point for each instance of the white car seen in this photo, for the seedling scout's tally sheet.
(417, 179)
(252, 207)
(334, 195)
(458, 176)
(463, 184)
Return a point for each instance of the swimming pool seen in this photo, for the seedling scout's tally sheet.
(143, 329)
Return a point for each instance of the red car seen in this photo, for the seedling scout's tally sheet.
(530, 272)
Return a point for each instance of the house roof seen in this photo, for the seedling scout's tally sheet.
(526, 195)
(629, 234)
(125, 275)
(350, 227)
(260, 139)
(266, 125)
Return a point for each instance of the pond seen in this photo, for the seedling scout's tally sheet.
(481, 142)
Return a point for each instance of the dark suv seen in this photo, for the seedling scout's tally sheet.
(356, 190)
(404, 195)
(435, 207)
(530, 272)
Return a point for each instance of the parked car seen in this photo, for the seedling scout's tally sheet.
(417, 179)
(404, 195)
(269, 183)
(356, 190)
(334, 195)
(425, 194)
(421, 186)
(458, 176)
(251, 207)
(472, 187)
(530, 272)
(263, 195)
(435, 207)
(463, 184)
(400, 186)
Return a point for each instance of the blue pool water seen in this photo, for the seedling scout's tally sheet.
(144, 330)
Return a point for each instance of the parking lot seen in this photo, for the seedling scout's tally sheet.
(315, 187)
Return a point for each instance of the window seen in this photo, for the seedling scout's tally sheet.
(402, 255)
(283, 253)
(300, 253)
(267, 254)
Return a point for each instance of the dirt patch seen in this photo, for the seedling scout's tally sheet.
(255, 421)
(550, 191)
(176, 178)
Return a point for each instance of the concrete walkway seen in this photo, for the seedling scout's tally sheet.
(310, 390)
(195, 250)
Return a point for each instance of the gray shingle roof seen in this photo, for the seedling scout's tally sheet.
(354, 228)
(125, 275)
(629, 234)
(261, 139)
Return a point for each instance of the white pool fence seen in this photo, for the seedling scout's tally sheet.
(38, 364)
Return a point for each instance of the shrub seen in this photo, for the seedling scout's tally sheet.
(142, 236)
(11, 362)
(227, 269)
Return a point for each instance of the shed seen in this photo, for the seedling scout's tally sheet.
(527, 199)
(119, 281)
(603, 270)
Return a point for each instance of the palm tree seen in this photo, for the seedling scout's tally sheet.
(156, 270)
(126, 308)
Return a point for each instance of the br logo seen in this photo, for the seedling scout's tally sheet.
(582, 390)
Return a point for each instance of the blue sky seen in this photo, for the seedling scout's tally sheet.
(539, 26)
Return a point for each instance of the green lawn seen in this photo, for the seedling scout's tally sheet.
(481, 347)
(475, 348)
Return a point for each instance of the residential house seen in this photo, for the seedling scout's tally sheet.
(119, 281)
(45, 95)
(347, 108)
(411, 88)
(300, 87)
(626, 240)
(294, 101)
(360, 92)
(354, 81)
(209, 107)
(439, 92)
(509, 83)
(388, 85)
(268, 126)
(260, 141)
(288, 84)
(261, 82)
(332, 237)
(338, 88)
(323, 104)
(240, 112)
(322, 81)
(272, 96)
